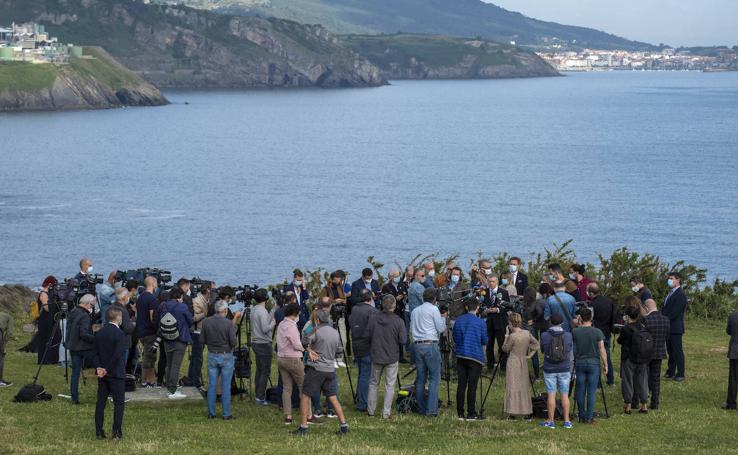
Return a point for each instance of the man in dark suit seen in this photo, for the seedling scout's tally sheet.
(365, 282)
(496, 320)
(606, 314)
(732, 330)
(659, 327)
(301, 293)
(674, 308)
(519, 279)
(110, 365)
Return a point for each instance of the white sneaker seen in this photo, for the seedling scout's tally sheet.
(340, 364)
(176, 395)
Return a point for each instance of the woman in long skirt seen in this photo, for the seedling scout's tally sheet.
(521, 345)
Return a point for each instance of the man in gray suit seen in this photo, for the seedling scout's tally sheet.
(733, 356)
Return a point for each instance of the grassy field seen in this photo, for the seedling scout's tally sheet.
(690, 420)
(26, 76)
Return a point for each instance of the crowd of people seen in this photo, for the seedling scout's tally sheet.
(488, 321)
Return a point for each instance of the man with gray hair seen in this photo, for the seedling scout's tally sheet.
(80, 340)
(128, 326)
(322, 346)
(387, 334)
(219, 335)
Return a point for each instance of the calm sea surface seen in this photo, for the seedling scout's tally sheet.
(243, 186)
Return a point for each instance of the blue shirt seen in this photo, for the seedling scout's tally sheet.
(553, 307)
(184, 318)
(470, 335)
(557, 367)
(426, 323)
(415, 296)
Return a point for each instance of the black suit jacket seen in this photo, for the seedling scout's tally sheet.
(358, 285)
(674, 308)
(110, 347)
(658, 326)
(497, 320)
(733, 332)
(606, 314)
(521, 282)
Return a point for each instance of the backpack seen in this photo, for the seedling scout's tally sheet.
(642, 347)
(556, 349)
(168, 326)
(35, 313)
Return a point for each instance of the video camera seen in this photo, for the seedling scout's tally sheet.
(162, 276)
(64, 294)
(245, 293)
(197, 284)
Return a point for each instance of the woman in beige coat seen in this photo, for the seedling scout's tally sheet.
(521, 345)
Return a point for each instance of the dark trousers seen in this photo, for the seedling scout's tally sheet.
(676, 355)
(114, 387)
(195, 370)
(469, 372)
(78, 363)
(175, 356)
(654, 381)
(133, 354)
(161, 366)
(495, 334)
(610, 371)
(732, 384)
(263, 352)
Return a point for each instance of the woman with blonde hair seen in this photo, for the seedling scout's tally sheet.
(521, 345)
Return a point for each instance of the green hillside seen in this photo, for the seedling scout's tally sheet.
(26, 76)
(462, 18)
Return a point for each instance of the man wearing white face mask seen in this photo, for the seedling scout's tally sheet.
(458, 289)
(85, 268)
(480, 273)
(519, 279)
(298, 288)
(430, 274)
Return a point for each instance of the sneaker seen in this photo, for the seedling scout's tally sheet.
(342, 430)
(210, 416)
(262, 402)
(460, 416)
(568, 425)
(301, 431)
(331, 414)
(176, 395)
(4, 383)
(228, 417)
(288, 420)
(319, 414)
(547, 424)
(472, 418)
(678, 378)
(203, 392)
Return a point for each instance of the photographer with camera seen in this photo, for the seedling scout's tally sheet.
(427, 325)
(200, 305)
(80, 340)
(470, 339)
(106, 295)
(175, 321)
(589, 350)
(606, 315)
(219, 335)
(147, 318)
(387, 334)
(496, 320)
(262, 327)
(480, 272)
(361, 315)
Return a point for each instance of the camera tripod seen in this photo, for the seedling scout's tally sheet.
(483, 400)
(241, 383)
(346, 355)
(572, 387)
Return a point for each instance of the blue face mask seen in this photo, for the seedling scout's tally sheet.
(513, 268)
(455, 278)
(670, 283)
(504, 281)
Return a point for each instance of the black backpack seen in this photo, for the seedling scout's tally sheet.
(642, 347)
(556, 350)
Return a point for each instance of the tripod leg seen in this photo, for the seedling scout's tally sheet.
(604, 399)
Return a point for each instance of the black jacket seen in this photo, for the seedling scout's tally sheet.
(732, 330)
(356, 288)
(79, 330)
(127, 326)
(386, 333)
(497, 320)
(521, 282)
(658, 326)
(605, 315)
(674, 308)
(360, 318)
(535, 312)
(110, 347)
(390, 289)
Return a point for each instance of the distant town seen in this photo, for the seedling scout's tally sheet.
(29, 42)
(668, 59)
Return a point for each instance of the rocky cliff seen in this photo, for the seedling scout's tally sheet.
(95, 81)
(412, 56)
(175, 46)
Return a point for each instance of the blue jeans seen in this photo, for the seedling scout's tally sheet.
(588, 377)
(610, 372)
(364, 365)
(78, 360)
(428, 363)
(220, 365)
(195, 370)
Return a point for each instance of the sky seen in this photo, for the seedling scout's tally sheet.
(673, 22)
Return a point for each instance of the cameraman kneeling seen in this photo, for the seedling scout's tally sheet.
(80, 340)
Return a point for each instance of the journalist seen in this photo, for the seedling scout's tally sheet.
(458, 289)
(200, 305)
(387, 334)
(361, 315)
(110, 364)
(262, 327)
(301, 295)
(561, 303)
(289, 359)
(606, 315)
(175, 346)
(80, 340)
(427, 324)
(589, 350)
(219, 335)
(520, 344)
(147, 317)
(557, 346)
(85, 268)
(470, 339)
(404, 287)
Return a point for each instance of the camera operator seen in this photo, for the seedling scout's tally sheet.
(48, 310)
(106, 295)
(262, 327)
(80, 340)
(606, 315)
(298, 288)
(360, 318)
(128, 324)
(175, 349)
(470, 338)
(496, 320)
(147, 317)
(6, 331)
(557, 345)
(85, 268)
(335, 292)
(200, 305)
(427, 325)
(458, 289)
(219, 335)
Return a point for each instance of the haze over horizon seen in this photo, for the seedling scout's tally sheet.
(684, 23)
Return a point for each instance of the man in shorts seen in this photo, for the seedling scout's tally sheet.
(322, 346)
(557, 346)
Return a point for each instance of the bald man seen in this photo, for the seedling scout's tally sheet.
(659, 327)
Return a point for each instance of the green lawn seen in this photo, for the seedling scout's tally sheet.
(690, 420)
(26, 76)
